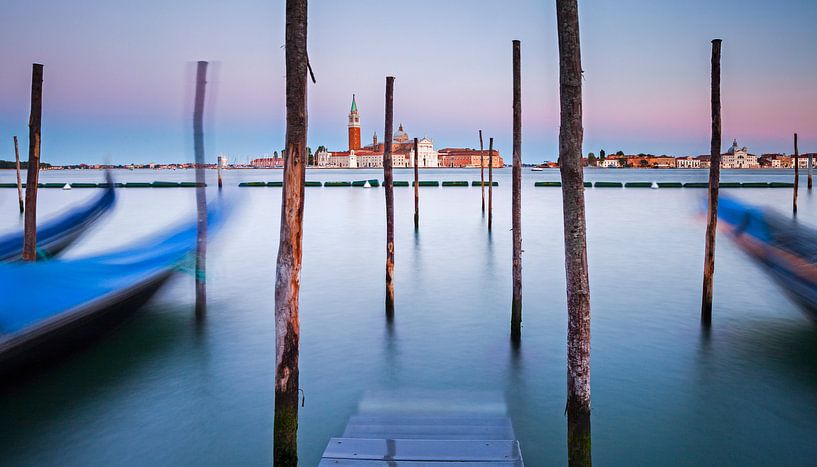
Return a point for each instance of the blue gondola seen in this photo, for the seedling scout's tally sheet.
(56, 235)
(50, 306)
(786, 250)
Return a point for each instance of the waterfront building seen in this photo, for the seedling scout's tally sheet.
(467, 157)
(222, 161)
(268, 163)
(687, 162)
(738, 158)
(371, 156)
(609, 162)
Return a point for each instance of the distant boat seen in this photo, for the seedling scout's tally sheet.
(49, 307)
(784, 248)
(57, 234)
(537, 169)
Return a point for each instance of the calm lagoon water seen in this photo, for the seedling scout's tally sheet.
(161, 390)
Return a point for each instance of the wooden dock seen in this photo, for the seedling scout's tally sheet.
(425, 430)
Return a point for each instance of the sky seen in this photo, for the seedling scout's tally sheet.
(119, 74)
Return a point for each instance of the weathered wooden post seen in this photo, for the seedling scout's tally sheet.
(482, 170)
(490, 183)
(416, 185)
(714, 181)
(33, 173)
(796, 175)
(201, 195)
(288, 265)
(218, 168)
(19, 181)
(516, 203)
(578, 287)
(810, 165)
(388, 180)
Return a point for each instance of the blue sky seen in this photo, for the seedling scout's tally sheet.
(118, 74)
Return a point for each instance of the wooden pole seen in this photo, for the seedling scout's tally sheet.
(575, 235)
(516, 203)
(201, 195)
(490, 183)
(796, 175)
(19, 181)
(482, 170)
(416, 185)
(218, 167)
(388, 181)
(288, 266)
(33, 173)
(810, 165)
(714, 181)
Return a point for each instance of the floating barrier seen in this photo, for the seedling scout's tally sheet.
(478, 183)
(165, 184)
(110, 185)
(51, 185)
(137, 185)
(548, 184)
(588, 184)
(427, 183)
(308, 184)
(637, 185)
(670, 185)
(84, 185)
(372, 183)
(398, 183)
(191, 184)
(696, 185)
(256, 184)
(608, 185)
(331, 184)
(754, 185)
(454, 183)
(277, 184)
(781, 185)
(729, 185)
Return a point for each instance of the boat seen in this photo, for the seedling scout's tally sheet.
(537, 169)
(50, 307)
(56, 235)
(784, 248)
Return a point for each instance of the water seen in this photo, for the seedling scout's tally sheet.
(162, 390)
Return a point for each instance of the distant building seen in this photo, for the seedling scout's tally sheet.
(466, 157)
(371, 156)
(222, 161)
(687, 162)
(268, 163)
(738, 158)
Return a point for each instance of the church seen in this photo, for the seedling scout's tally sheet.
(371, 156)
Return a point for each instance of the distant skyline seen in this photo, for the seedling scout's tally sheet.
(118, 74)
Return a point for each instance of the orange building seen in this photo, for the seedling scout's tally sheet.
(466, 157)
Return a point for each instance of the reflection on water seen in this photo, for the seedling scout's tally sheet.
(160, 390)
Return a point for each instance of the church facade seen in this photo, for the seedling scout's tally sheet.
(371, 156)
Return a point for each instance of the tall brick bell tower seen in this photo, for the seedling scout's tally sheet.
(354, 126)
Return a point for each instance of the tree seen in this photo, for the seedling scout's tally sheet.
(310, 159)
(620, 153)
(602, 155)
(591, 159)
(622, 162)
(275, 154)
(643, 163)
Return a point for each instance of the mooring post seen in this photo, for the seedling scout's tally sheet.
(388, 180)
(796, 175)
(288, 265)
(482, 170)
(810, 164)
(714, 181)
(201, 195)
(19, 180)
(218, 168)
(416, 185)
(516, 211)
(490, 183)
(575, 235)
(33, 173)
